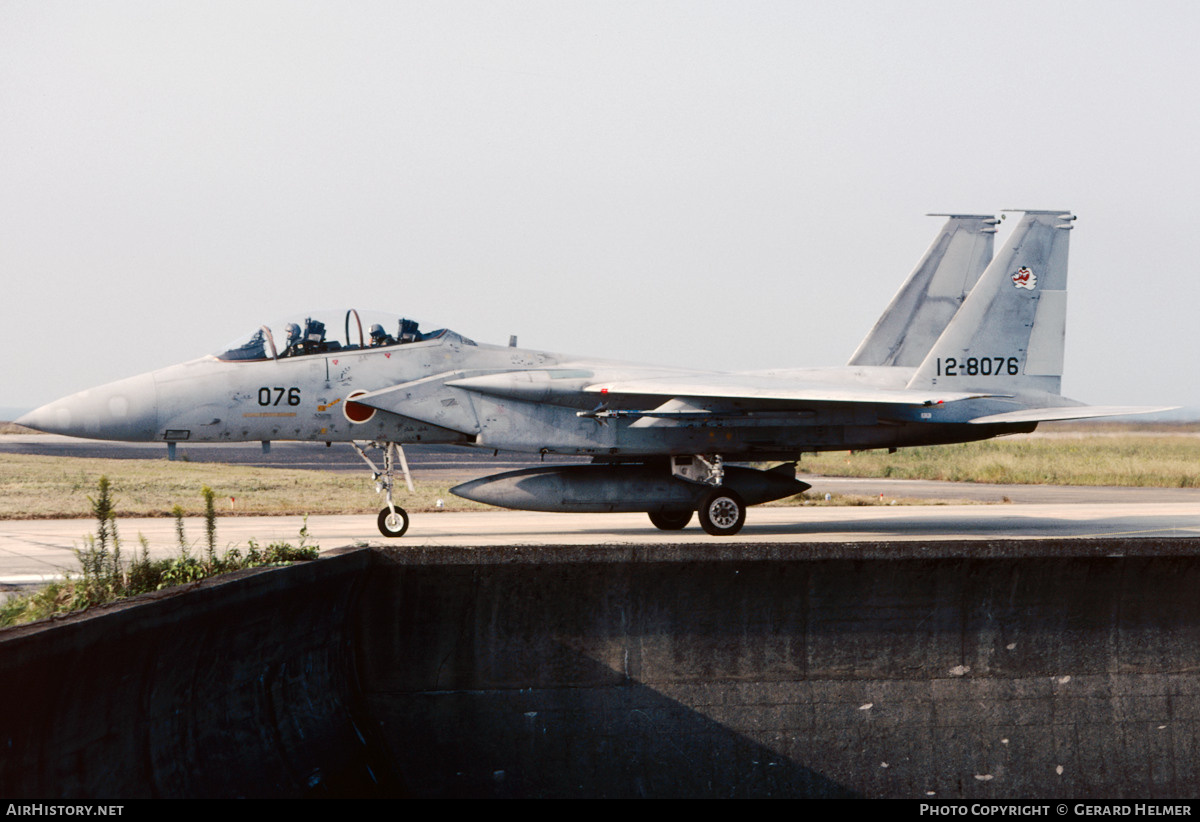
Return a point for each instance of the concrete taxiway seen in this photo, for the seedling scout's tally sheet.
(32, 550)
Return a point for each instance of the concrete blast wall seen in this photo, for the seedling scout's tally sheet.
(945, 669)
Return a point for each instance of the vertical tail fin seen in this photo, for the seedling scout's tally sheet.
(928, 300)
(1008, 335)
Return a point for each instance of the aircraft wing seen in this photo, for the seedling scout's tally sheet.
(760, 387)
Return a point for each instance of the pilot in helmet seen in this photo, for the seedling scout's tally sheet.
(380, 337)
(292, 347)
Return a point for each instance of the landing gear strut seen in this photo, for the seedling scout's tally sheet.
(393, 520)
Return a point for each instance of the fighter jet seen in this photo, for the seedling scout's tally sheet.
(971, 348)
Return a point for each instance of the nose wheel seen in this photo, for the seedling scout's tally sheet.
(393, 523)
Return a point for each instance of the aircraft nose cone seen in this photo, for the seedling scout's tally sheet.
(122, 410)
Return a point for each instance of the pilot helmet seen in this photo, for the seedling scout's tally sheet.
(377, 332)
(293, 332)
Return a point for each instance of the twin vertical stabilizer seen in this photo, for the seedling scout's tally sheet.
(1008, 336)
(931, 296)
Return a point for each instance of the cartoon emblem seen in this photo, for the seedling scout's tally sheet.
(1024, 278)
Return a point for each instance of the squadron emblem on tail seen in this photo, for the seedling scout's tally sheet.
(1025, 278)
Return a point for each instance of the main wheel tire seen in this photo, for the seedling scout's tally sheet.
(722, 512)
(393, 525)
(671, 520)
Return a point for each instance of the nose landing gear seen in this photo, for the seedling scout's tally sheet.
(393, 520)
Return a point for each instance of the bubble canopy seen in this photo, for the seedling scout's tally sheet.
(324, 331)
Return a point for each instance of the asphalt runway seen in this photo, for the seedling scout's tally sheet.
(36, 550)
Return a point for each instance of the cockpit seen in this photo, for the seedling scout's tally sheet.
(321, 332)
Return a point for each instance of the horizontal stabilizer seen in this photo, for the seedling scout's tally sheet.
(1070, 412)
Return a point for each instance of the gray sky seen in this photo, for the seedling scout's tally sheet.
(734, 185)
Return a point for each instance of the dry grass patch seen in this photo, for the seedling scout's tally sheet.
(1142, 460)
(13, 428)
(35, 487)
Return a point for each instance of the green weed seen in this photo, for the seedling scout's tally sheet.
(105, 577)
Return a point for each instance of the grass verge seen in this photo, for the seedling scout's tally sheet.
(37, 487)
(1127, 460)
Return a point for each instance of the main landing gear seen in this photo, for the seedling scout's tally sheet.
(670, 520)
(393, 520)
(722, 512)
